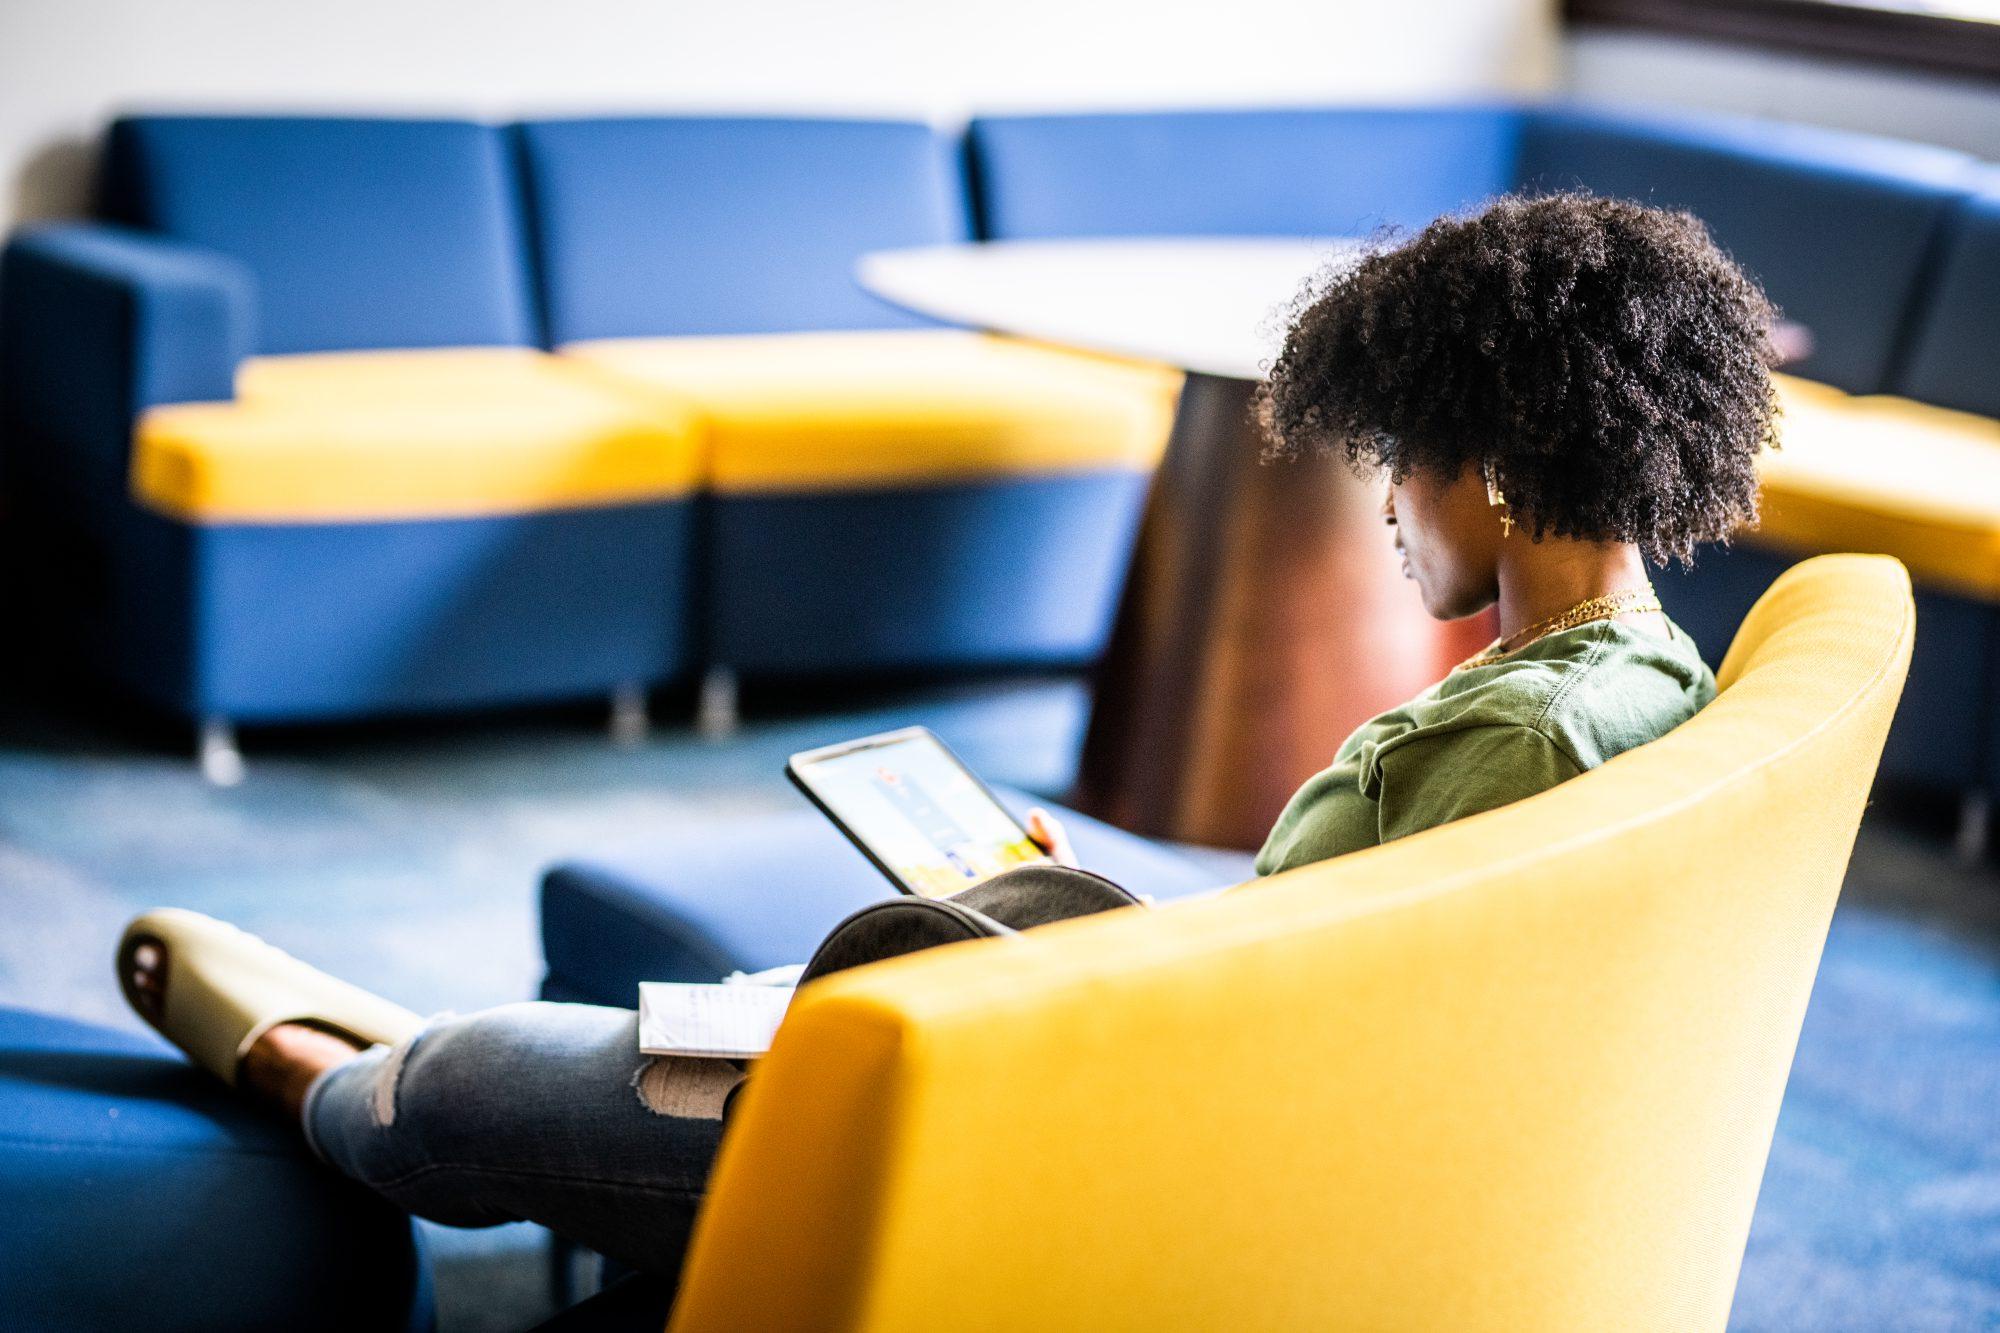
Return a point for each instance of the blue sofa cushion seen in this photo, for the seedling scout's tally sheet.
(361, 232)
(1952, 359)
(278, 622)
(1311, 172)
(135, 1190)
(1836, 225)
(696, 225)
(762, 891)
(1941, 738)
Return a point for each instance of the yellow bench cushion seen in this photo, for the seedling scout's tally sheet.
(819, 411)
(1876, 473)
(457, 432)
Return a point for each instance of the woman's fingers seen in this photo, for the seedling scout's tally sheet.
(1050, 836)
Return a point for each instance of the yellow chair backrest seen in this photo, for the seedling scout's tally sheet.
(1519, 1072)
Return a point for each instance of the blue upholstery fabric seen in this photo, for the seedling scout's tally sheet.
(1837, 226)
(279, 622)
(137, 1191)
(362, 232)
(1313, 172)
(758, 893)
(96, 324)
(1018, 572)
(690, 225)
(1943, 736)
(315, 622)
(1952, 360)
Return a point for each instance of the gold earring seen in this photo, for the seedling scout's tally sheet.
(1498, 499)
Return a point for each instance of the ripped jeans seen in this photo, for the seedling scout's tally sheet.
(532, 1112)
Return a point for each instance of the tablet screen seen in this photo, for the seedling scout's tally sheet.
(916, 811)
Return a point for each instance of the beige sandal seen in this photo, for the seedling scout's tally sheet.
(218, 989)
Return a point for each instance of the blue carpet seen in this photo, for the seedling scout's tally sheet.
(1881, 1205)
(406, 858)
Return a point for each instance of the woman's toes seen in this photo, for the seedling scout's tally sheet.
(148, 964)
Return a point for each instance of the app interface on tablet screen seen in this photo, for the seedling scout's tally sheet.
(922, 815)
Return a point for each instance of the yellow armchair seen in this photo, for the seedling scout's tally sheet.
(1520, 1072)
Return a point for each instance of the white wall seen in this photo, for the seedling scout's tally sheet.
(67, 65)
(1619, 66)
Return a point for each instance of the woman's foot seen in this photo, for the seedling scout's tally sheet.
(279, 1065)
(249, 1013)
(283, 1062)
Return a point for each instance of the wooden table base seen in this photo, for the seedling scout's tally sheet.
(1265, 616)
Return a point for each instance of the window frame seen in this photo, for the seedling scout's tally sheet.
(1935, 43)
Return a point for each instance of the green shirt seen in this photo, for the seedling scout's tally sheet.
(1490, 735)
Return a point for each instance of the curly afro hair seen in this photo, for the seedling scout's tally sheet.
(1605, 360)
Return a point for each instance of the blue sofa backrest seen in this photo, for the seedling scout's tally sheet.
(361, 232)
(1837, 226)
(1954, 353)
(1331, 171)
(707, 225)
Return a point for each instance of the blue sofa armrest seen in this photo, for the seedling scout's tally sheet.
(98, 323)
(137, 1191)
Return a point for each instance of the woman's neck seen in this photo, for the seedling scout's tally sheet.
(1539, 580)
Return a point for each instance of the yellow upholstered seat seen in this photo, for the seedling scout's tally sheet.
(818, 411)
(1518, 1072)
(410, 435)
(1877, 473)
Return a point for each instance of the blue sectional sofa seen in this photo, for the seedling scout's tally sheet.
(1839, 226)
(289, 421)
(876, 488)
(267, 559)
(338, 417)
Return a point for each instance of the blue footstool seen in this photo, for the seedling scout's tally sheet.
(762, 891)
(136, 1192)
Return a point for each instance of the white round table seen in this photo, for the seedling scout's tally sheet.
(1265, 614)
(1210, 305)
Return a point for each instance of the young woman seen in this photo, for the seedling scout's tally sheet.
(1557, 390)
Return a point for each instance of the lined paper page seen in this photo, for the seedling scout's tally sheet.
(684, 1018)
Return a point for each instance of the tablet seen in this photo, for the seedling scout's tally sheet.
(915, 811)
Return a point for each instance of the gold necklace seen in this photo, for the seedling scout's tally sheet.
(1625, 602)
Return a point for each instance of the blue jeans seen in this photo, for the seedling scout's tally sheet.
(532, 1112)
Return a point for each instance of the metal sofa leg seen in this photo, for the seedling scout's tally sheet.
(576, 1273)
(1975, 826)
(716, 716)
(562, 1272)
(630, 720)
(216, 753)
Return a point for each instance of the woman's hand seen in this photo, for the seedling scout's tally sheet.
(1047, 834)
